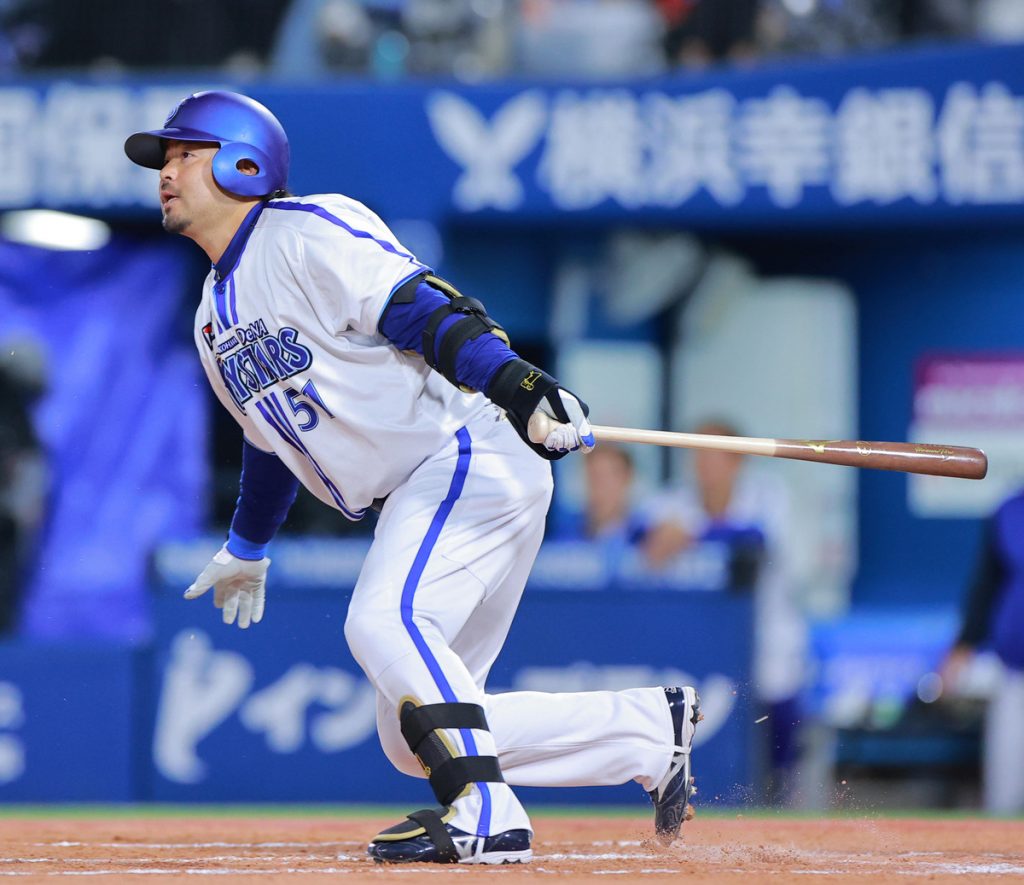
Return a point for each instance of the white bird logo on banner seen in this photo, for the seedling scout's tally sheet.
(487, 152)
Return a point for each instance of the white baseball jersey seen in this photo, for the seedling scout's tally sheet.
(287, 333)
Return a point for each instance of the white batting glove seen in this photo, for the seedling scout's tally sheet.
(566, 437)
(239, 586)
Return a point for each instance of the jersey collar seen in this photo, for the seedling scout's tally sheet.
(237, 245)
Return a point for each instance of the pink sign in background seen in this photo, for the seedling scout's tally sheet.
(970, 391)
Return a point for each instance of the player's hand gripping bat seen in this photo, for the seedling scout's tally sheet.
(934, 460)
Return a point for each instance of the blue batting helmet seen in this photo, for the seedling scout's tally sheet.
(244, 129)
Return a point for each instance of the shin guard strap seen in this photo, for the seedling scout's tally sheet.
(452, 776)
(437, 833)
(418, 722)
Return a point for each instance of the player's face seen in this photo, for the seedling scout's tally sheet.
(189, 196)
(609, 479)
(716, 471)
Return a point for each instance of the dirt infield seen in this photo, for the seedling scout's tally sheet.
(714, 849)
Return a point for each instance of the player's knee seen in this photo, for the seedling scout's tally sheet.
(399, 754)
(353, 629)
(365, 633)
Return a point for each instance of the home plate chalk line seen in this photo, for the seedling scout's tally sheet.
(262, 860)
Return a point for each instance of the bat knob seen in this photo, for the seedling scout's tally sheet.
(539, 426)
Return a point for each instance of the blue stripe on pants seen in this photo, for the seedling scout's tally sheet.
(409, 591)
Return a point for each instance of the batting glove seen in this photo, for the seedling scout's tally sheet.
(562, 435)
(550, 420)
(239, 586)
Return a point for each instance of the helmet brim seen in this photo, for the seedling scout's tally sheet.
(148, 148)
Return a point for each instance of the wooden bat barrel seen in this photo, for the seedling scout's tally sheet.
(927, 458)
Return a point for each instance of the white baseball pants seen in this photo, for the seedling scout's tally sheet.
(1003, 746)
(431, 610)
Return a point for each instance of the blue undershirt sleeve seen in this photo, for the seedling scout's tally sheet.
(267, 489)
(476, 362)
(403, 323)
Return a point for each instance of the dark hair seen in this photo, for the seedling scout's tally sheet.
(717, 426)
(617, 452)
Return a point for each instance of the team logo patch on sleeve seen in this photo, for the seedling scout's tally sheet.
(208, 335)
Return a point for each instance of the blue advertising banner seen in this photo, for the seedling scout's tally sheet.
(282, 711)
(69, 719)
(933, 135)
(874, 661)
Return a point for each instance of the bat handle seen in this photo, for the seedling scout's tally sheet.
(539, 426)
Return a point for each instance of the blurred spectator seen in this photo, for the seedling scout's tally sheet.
(180, 34)
(1000, 20)
(934, 19)
(831, 27)
(471, 39)
(23, 473)
(699, 32)
(825, 27)
(21, 38)
(608, 518)
(749, 510)
(392, 38)
(463, 37)
(590, 38)
(345, 34)
(994, 617)
(319, 37)
(608, 515)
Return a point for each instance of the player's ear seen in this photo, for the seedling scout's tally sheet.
(247, 167)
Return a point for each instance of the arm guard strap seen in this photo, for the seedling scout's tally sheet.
(441, 346)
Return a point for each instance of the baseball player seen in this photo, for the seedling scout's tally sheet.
(354, 370)
(993, 617)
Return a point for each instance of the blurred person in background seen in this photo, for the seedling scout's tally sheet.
(1000, 21)
(591, 38)
(467, 38)
(935, 19)
(824, 27)
(608, 517)
(392, 38)
(23, 472)
(609, 510)
(994, 617)
(322, 37)
(21, 37)
(701, 32)
(832, 27)
(184, 34)
(749, 510)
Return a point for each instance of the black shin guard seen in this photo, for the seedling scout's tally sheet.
(449, 774)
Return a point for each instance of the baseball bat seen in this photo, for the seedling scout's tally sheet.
(927, 458)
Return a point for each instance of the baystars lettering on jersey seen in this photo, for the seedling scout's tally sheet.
(262, 362)
(287, 334)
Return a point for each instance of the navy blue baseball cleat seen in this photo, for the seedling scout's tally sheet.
(427, 837)
(671, 797)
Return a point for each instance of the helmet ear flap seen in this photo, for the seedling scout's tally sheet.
(227, 174)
